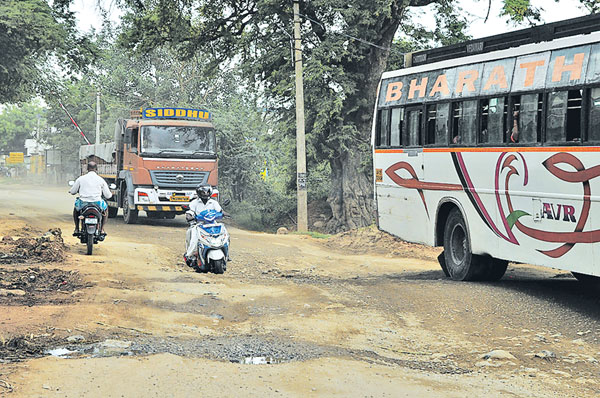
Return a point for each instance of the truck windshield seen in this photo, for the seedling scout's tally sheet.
(178, 140)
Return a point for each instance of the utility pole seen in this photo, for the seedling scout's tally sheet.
(97, 117)
(300, 140)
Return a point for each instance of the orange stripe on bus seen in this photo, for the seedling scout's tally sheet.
(500, 149)
(389, 150)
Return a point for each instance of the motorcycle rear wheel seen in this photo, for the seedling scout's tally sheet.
(90, 243)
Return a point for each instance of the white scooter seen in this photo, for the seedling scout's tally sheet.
(213, 241)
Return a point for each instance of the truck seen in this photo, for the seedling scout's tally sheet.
(157, 159)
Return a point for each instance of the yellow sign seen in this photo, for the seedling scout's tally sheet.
(175, 113)
(37, 164)
(15, 157)
(379, 175)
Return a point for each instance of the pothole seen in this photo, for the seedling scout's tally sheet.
(34, 286)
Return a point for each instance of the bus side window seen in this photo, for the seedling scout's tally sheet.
(594, 118)
(574, 102)
(464, 122)
(441, 124)
(413, 127)
(437, 124)
(493, 120)
(563, 121)
(527, 110)
(430, 125)
(396, 127)
(556, 118)
(383, 128)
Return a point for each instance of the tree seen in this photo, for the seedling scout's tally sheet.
(18, 123)
(36, 40)
(346, 48)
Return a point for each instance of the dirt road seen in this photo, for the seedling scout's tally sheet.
(336, 317)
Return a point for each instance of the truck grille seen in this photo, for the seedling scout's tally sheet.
(178, 178)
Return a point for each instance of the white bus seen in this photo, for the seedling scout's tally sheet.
(491, 149)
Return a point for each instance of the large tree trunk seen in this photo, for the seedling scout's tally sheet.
(351, 196)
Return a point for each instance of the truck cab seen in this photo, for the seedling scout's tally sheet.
(160, 160)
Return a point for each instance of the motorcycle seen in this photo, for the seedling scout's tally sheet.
(213, 241)
(89, 233)
(90, 224)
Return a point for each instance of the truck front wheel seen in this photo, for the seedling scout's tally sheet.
(112, 211)
(129, 215)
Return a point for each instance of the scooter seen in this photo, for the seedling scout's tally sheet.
(213, 241)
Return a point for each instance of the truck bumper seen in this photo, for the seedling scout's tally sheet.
(170, 208)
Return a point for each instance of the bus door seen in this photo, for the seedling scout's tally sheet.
(410, 223)
(413, 138)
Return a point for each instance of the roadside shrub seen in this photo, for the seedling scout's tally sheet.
(265, 210)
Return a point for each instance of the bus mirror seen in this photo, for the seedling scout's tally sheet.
(112, 186)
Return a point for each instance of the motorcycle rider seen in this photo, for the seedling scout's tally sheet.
(204, 201)
(91, 187)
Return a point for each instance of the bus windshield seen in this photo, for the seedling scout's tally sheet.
(169, 141)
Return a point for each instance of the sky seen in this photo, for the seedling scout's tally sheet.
(89, 16)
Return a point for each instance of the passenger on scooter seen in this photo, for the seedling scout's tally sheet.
(91, 187)
(204, 201)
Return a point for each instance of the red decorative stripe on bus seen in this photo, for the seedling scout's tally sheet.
(414, 183)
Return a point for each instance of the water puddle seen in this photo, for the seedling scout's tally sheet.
(107, 348)
(260, 361)
(61, 352)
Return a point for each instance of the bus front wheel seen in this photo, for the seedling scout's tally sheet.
(460, 263)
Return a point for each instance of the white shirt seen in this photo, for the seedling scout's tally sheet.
(91, 187)
(197, 206)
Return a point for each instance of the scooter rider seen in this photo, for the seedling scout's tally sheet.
(91, 187)
(204, 201)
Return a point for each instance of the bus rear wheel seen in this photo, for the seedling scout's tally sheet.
(460, 263)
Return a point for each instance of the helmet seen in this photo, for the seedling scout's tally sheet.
(204, 191)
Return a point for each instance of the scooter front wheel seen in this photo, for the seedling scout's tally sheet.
(218, 266)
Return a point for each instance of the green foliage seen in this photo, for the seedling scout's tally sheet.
(312, 234)
(344, 51)
(593, 6)
(18, 123)
(34, 37)
(521, 10)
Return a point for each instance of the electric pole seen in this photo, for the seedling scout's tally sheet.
(300, 140)
(97, 117)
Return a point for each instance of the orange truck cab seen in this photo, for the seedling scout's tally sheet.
(157, 160)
